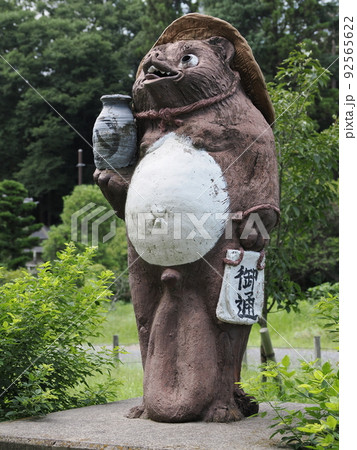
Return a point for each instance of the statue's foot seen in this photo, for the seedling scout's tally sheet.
(246, 403)
(219, 412)
(138, 412)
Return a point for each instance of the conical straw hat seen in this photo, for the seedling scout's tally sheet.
(200, 27)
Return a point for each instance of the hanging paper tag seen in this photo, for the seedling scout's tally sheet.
(242, 293)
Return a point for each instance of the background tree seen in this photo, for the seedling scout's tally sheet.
(16, 224)
(274, 27)
(113, 254)
(154, 17)
(305, 240)
(71, 53)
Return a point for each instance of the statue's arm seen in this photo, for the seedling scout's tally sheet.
(254, 230)
(114, 185)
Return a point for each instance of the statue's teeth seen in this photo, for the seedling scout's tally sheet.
(155, 70)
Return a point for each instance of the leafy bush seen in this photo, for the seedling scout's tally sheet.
(9, 275)
(316, 425)
(45, 325)
(111, 254)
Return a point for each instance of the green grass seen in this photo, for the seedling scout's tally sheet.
(131, 376)
(298, 329)
(120, 320)
(120, 382)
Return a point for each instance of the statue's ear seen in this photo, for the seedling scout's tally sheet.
(226, 46)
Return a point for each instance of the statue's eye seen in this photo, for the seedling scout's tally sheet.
(188, 61)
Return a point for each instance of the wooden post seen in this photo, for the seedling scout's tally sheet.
(267, 345)
(269, 354)
(317, 346)
(80, 166)
(116, 346)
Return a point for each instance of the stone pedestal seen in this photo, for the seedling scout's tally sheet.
(105, 426)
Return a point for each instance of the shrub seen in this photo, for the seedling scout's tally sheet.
(9, 275)
(316, 425)
(45, 324)
(111, 254)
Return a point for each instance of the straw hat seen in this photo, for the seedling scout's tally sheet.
(200, 27)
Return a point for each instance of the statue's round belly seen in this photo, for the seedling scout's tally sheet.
(177, 204)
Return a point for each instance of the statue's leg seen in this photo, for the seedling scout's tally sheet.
(180, 377)
(231, 339)
(191, 360)
(146, 292)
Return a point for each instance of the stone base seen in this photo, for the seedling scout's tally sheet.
(106, 427)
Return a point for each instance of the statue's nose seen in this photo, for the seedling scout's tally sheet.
(156, 55)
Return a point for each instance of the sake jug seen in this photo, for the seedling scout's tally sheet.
(114, 133)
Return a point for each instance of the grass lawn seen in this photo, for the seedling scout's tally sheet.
(121, 321)
(297, 329)
(131, 379)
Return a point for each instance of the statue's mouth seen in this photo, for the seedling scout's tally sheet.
(157, 72)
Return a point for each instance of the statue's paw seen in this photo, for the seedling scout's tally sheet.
(246, 403)
(114, 186)
(102, 178)
(138, 412)
(219, 412)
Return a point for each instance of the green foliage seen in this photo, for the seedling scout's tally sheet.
(155, 16)
(16, 224)
(45, 322)
(111, 254)
(308, 166)
(71, 53)
(9, 275)
(328, 307)
(314, 426)
(274, 27)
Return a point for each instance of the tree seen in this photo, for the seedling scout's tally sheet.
(16, 224)
(88, 198)
(274, 27)
(308, 163)
(71, 53)
(155, 17)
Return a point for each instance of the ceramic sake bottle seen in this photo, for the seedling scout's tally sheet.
(114, 133)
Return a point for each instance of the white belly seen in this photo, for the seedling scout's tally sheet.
(177, 204)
